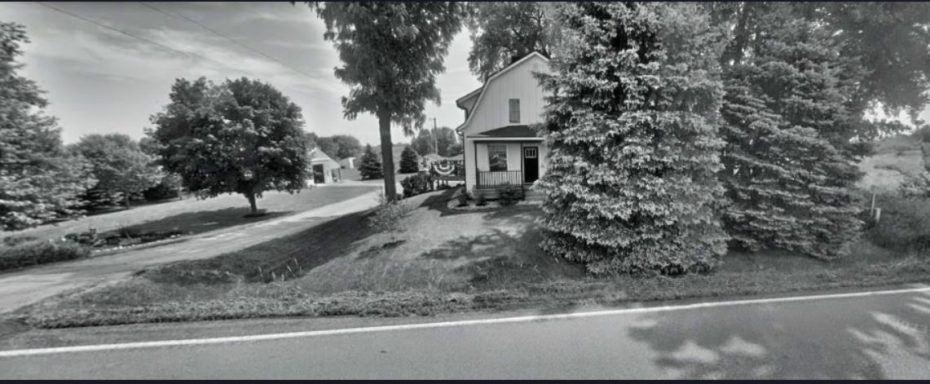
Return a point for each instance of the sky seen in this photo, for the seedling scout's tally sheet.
(101, 81)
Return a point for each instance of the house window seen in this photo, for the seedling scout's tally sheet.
(514, 110)
(497, 157)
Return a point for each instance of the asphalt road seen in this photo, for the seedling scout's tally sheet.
(883, 336)
(30, 285)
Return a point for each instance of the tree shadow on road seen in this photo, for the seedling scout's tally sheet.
(793, 341)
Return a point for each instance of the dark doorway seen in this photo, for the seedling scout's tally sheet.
(530, 164)
(319, 177)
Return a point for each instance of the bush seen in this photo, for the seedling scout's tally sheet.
(420, 183)
(388, 215)
(461, 197)
(480, 200)
(509, 195)
(904, 224)
(916, 186)
(923, 134)
(39, 252)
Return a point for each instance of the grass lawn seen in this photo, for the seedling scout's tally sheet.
(446, 260)
(192, 216)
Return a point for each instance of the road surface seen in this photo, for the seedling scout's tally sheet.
(847, 336)
(30, 285)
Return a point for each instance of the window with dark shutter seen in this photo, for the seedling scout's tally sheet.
(514, 110)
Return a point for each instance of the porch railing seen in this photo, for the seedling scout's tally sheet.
(489, 179)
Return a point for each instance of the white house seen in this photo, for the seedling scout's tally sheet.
(501, 146)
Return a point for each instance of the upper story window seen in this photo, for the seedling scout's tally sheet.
(514, 110)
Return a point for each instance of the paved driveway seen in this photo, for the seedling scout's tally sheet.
(24, 287)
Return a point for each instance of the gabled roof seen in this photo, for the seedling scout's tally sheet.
(317, 156)
(510, 131)
(490, 79)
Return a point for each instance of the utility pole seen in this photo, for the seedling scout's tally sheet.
(435, 140)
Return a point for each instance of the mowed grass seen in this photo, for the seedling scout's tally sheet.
(193, 215)
(445, 261)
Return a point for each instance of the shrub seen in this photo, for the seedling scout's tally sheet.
(904, 224)
(923, 134)
(461, 197)
(389, 215)
(420, 183)
(509, 195)
(480, 200)
(916, 186)
(15, 240)
(40, 252)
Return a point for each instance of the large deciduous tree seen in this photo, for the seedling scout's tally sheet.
(631, 184)
(243, 136)
(391, 54)
(120, 166)
(789, 159)
(505, 31)
(39, 180)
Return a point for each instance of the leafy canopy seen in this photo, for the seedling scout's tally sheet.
(243, 136)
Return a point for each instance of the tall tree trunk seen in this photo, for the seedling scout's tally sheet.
(737, 49)
(252, 205)
(387, 155)
(127, 202)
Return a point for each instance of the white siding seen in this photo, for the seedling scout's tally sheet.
(492, 109)
(514, 157)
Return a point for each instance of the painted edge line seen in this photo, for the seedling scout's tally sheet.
(518, 319)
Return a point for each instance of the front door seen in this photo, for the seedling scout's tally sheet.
(319, 177)
(530, 164)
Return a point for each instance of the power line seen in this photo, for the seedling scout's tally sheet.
(82, 18)
(234, 41)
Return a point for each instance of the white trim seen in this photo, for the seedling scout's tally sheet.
(484, 87)
(519, 319)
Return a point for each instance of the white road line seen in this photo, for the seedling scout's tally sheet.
(290, 335)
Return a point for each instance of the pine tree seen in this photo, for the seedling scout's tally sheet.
(39, 180)
(370, 167)
(631, 184)
(408, 161)
(789, 168)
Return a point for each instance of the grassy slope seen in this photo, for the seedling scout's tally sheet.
(446, 261)
(195, 216)
(895, 158)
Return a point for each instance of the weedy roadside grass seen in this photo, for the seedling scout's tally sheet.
(445, 260)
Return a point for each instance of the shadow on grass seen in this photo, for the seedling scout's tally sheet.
(198, 222)
(746, 343)
(287, 257)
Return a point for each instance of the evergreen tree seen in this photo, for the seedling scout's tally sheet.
(39, 180)
(408, 161)
(789, 170)
(631, 184)
(370, 167)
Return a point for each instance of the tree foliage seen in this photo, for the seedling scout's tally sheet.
(408, 161)
(632, 128)
(242, 136)
(120, 166)
(370, 166)
(502, 32)
(39, 180)
(442, 141)
(789, 159)
(339, 146)
(391, 54)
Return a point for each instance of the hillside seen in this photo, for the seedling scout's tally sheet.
(894, 158)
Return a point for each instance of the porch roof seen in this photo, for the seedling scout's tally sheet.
(510, 131)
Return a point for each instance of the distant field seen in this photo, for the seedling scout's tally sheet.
(894, 159)
(195, 216)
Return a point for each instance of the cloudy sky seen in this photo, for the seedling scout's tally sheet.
(101, 81)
